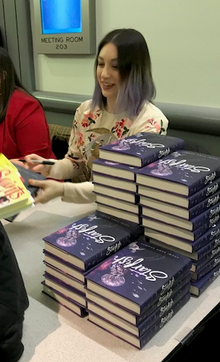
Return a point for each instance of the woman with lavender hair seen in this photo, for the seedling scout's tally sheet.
(121, 106)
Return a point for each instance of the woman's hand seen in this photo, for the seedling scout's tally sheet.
(49, 189)
(43, 169)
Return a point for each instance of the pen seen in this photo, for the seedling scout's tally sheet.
(42, 162)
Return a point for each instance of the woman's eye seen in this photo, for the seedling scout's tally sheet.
(100, 64)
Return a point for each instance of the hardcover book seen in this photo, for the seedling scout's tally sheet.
(116, 182)
(65, 278)
(139, 330)
(182, 172)
(140, 149)
(199, 286)
(141, 341)
(212, 263)
(190, 235)
(168, 298)
(205, 250)
(116, 193)
(211, 235)
(184, 213)
(64, 289)
(122, 214)
(182, 201)
(118, 204)
(25, 175)
(53, 261)
(137, 275)
(88, 241)
(210, 216)
(198, 264)
(64, 301)
(115, 169)
(14, 196)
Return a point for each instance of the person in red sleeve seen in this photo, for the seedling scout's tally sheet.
(23, 125)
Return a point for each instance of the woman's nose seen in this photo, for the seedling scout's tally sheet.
(105, 72)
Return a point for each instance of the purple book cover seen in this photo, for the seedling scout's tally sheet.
(143, 148)
(191, 169)
(140, 272)
(93, 238)
(199, 286)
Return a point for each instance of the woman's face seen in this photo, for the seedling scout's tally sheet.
(108, 75)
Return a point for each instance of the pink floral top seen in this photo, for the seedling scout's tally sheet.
(91, 129)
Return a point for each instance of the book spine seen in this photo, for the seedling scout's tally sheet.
(208, 248)
(210, 216)
(165, 288)
(212, 263)
(199, 286)
(197, 233)
(163, 320)
(204, 205)
(205, 192)
(198, 265)
(208, 179)
(211, 235)
(161, 311)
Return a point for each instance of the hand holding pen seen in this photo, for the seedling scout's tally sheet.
(38, 164)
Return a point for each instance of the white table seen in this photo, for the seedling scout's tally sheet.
(52, 333)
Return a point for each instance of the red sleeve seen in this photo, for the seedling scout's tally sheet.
(31, 128)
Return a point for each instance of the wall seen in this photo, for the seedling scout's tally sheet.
(183, 38)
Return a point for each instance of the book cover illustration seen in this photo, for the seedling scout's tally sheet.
(140, 149)
(137, 275)
(182, 172)
(14, 197)
(91, 239)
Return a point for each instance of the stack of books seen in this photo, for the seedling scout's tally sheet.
(136, 291)
(180, 198)
(70, 252)
(114, 172)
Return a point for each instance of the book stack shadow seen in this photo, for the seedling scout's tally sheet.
(114, 172)
(136, 291)
(71, 252)
(180, 199)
